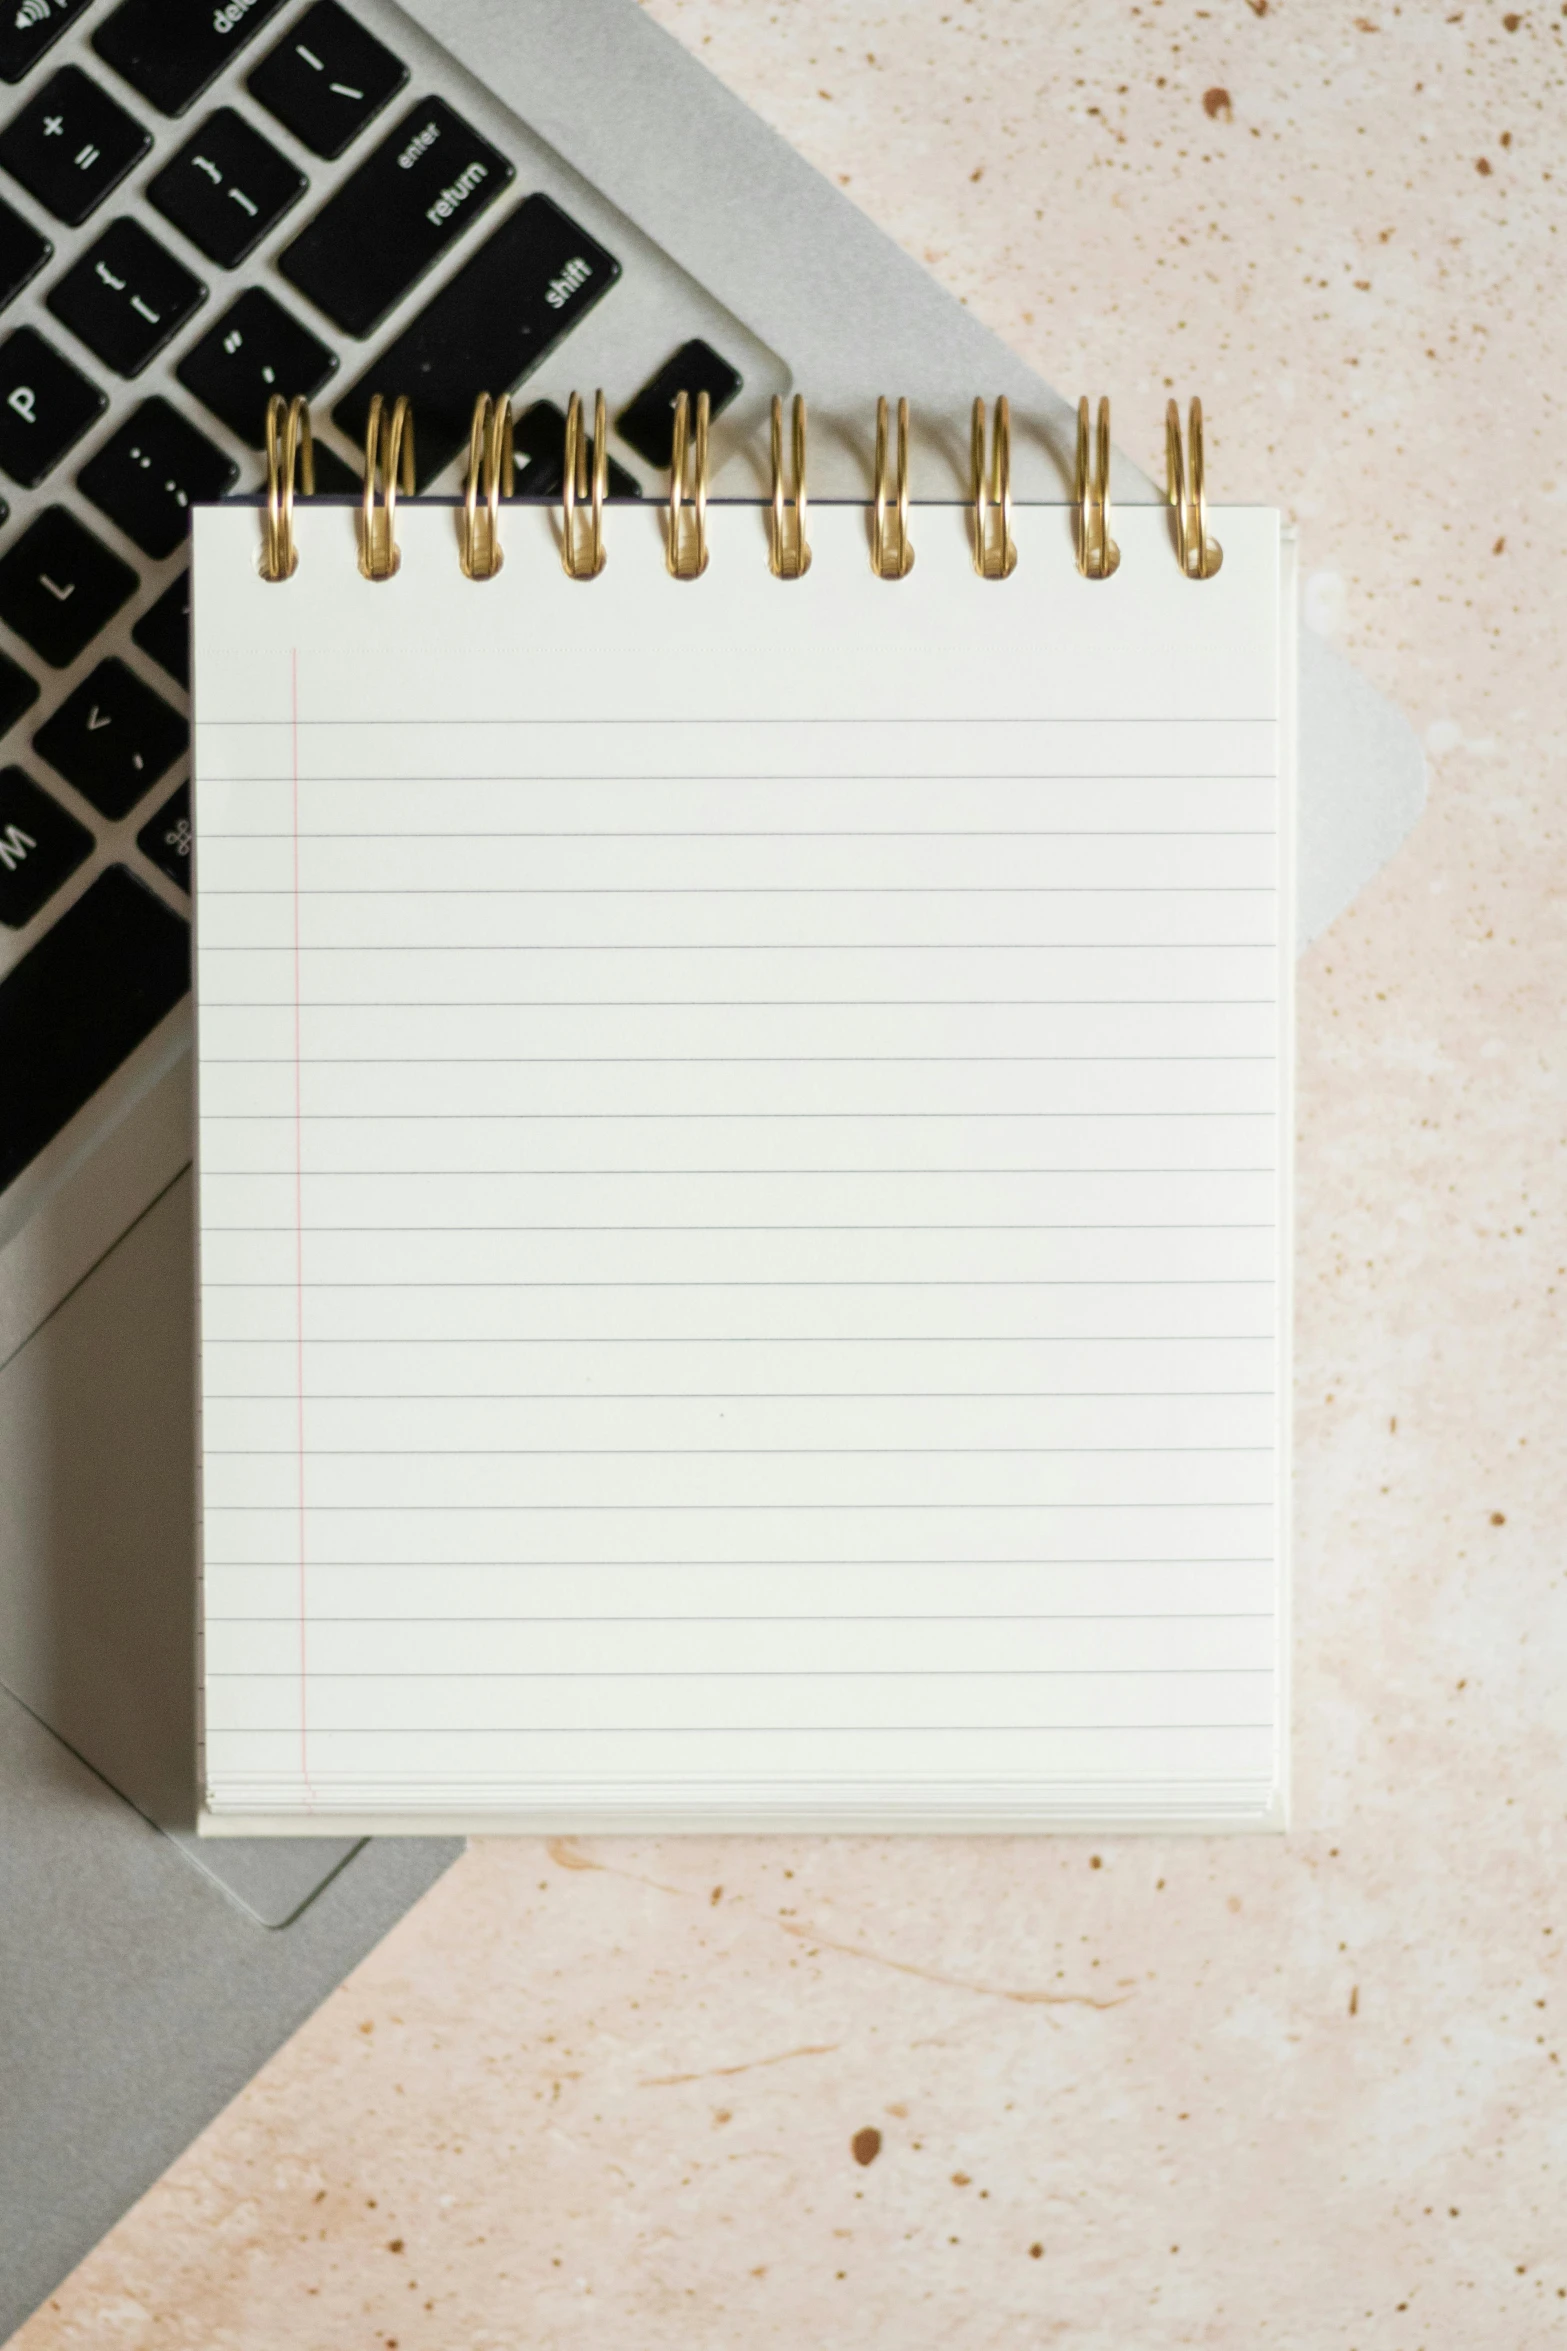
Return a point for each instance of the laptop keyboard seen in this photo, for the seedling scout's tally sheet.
(137, 385)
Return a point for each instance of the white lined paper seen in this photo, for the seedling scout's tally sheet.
(743, 1153)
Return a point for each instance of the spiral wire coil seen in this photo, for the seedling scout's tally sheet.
(582, 555)
(892, 550)
(995, 552)
(1199, 555)
(491, 464)
(1098, 556)
(389, 470)
(788, 552)
(288, 442)
(685, 540)
(389, 448)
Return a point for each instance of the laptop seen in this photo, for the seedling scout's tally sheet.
(201, 205)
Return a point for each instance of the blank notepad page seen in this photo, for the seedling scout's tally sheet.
(743, 1205)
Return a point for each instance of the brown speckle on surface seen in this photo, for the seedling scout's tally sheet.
(1216, 104)
(1096, 1861)
(961, 2179)
(394, 2244)
(865, 2145)
(1498, 1518)
(1483, 167)
(1500, 548)
(716, 1896)
(1035, 2252)
(1354, 1999)
(1512, 21)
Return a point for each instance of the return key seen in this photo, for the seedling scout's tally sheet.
(406, 205)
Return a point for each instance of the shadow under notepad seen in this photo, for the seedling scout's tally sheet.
(97, 1589)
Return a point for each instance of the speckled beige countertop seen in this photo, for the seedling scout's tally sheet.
(1300, 2091)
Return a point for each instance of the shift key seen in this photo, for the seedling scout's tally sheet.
(406, 205)
(485, 329)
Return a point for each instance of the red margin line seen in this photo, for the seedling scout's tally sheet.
(299, 1231)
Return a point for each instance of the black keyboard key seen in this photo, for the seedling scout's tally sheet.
(226, 188)
(255, 350)
(126, 297)
(39, 845)
(406, 206)
(27, 29)
(326, 79)
(59, 585)
(23, 253)
(18, 693)
(97, 983)
(149, 475)
(172, 50)
(112, 738)
(71, 145)
(166, 837)
(163, 630)
(541, 457)
(649, 423)
(46, 405)
(488, 326)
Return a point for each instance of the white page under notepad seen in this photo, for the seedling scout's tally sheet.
(743, 1151)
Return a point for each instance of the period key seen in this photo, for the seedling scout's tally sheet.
(406, 205)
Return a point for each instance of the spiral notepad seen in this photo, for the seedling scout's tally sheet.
(743, 1161)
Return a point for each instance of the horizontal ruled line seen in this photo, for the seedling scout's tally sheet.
(681, 1118)
(815, 1339)
(703, 1730)
(532, 725)
(731, 1004)
(466, 890)
(553, 1174)
(313, 1226)
(660, 1509)
(727, 1567)
(1017, 1282)
(783, 947)
(720, 1395)
(837, 1617)
(715, 1061)
(828, 1673)
(776, 832)
(696, 1454)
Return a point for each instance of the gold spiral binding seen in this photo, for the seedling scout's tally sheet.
(685, 550)
(1097, 553)
(892, 552)
(788, 557)
(1199, 555)
(584, 563)
(492, 461)
(288, 441)
(389, 441)
(995, 554)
